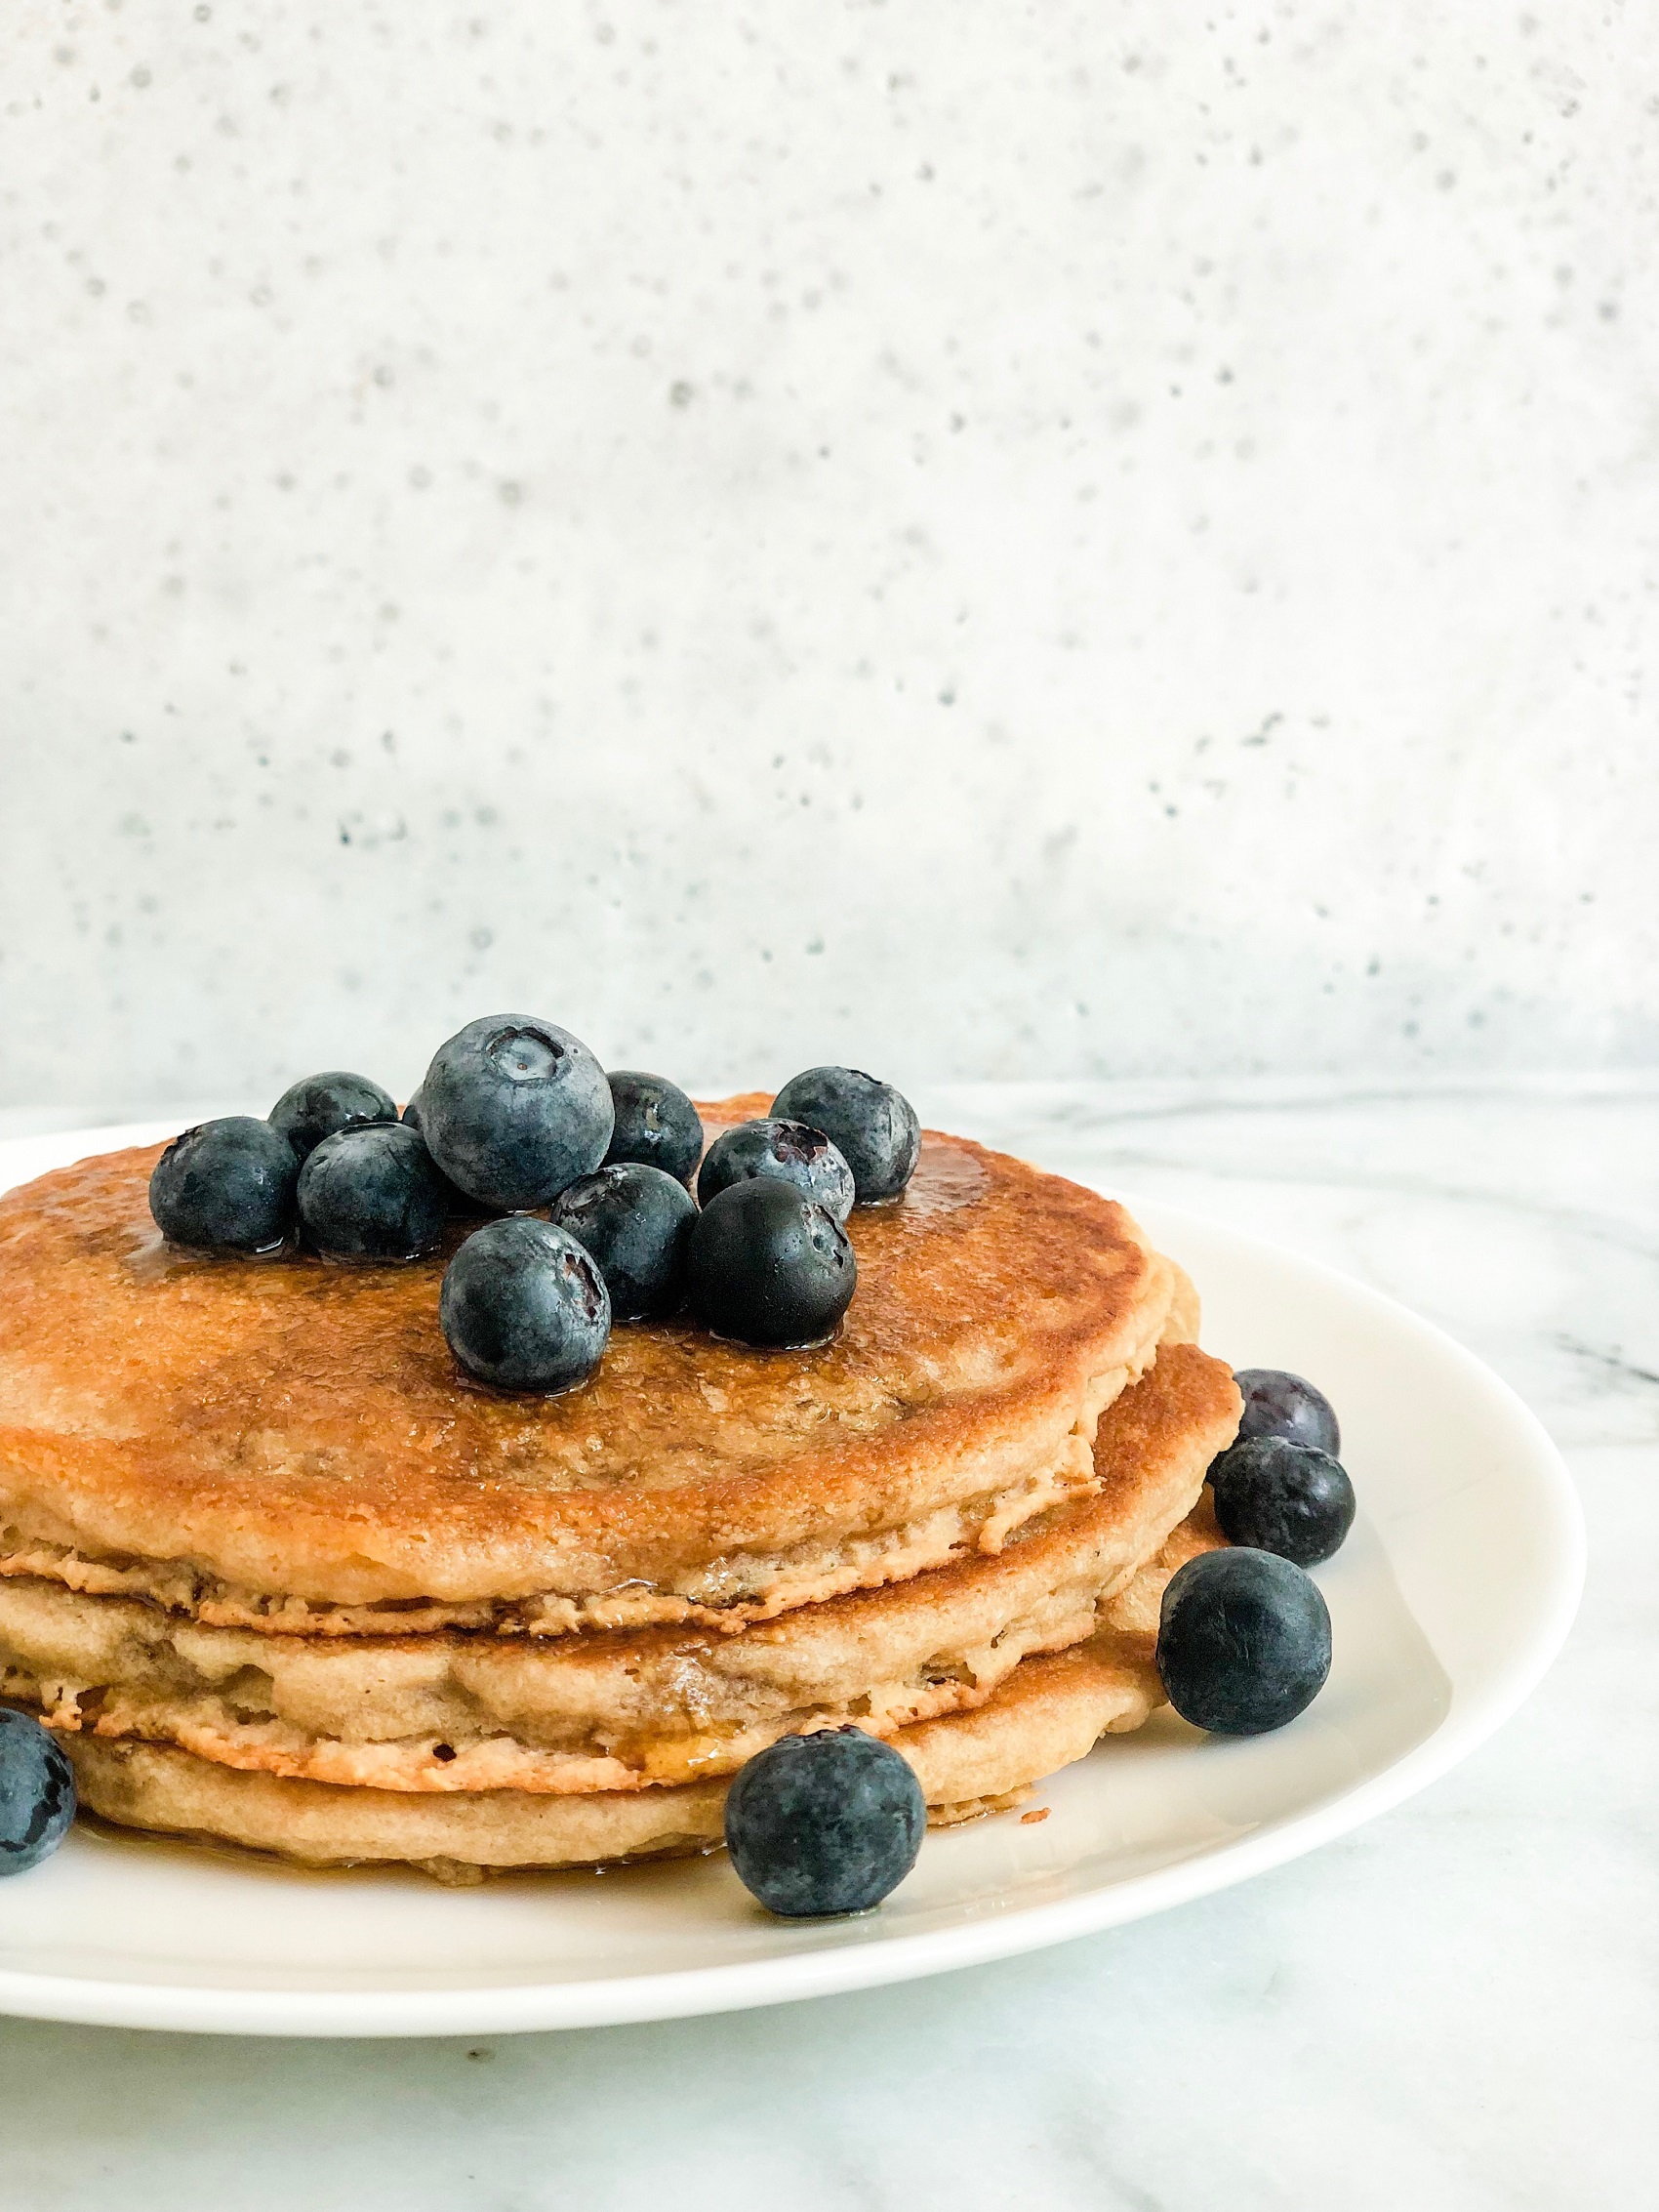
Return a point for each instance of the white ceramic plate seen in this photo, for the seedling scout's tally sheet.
(1448, 1600)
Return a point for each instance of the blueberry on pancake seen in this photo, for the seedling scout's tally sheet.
(769, 1266)
(371, 1193)
(786, 1152)
(513, 1109)
(524, 1306)
(323, 1105)
(656, 1125)
(874, 1126)
(636, 1222)
(226, 1186)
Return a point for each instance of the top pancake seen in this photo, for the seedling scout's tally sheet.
(288, 1443)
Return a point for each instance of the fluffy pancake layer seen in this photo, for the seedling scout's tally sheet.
(458, 1713)
(1050, 1711)
(287, 1445)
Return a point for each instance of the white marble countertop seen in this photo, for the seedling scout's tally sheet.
(1452, 2008)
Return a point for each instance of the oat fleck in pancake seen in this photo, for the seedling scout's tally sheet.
(287, 1444)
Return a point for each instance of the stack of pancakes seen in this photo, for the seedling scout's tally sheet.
(278, 1575)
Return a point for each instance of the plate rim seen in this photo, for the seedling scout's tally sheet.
(513, 2008)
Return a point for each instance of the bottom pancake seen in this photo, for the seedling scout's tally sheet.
(1050, 1711)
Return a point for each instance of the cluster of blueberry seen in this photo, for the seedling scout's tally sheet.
(831, 1823)
(515, 1113)
(1244, 1638)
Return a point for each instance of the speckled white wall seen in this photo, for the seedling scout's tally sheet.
(970, 538)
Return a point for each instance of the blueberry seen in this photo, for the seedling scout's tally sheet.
(874, 1126)
(1284, 1497)
(636, 1222)
(513, 1109)
(1277, 1404)
(1243, 1642)
(371, 1193)
(323, 1105)
(37, 1792)
(227, 1185)
(656, 1125)
(456, 1200)
(825, 1823)
(524, 1306)
(767, 1266)
(789, 1152)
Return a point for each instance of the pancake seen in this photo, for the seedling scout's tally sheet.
(287, 1445)
(458, 1713)
(1049, 1712)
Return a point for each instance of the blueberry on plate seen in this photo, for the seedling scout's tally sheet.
(768, 1266)
(636, 1222)
(1243, 1642)
(1279, 1404)
(323, 1105)
(226, 1186)
(656, 1125)
(514, 1108)
(788, 1152)
(37, 1792)
(825, 1823)
(524, 1306)
(1286, 1497)
(874, 1126)
(371, 1193)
